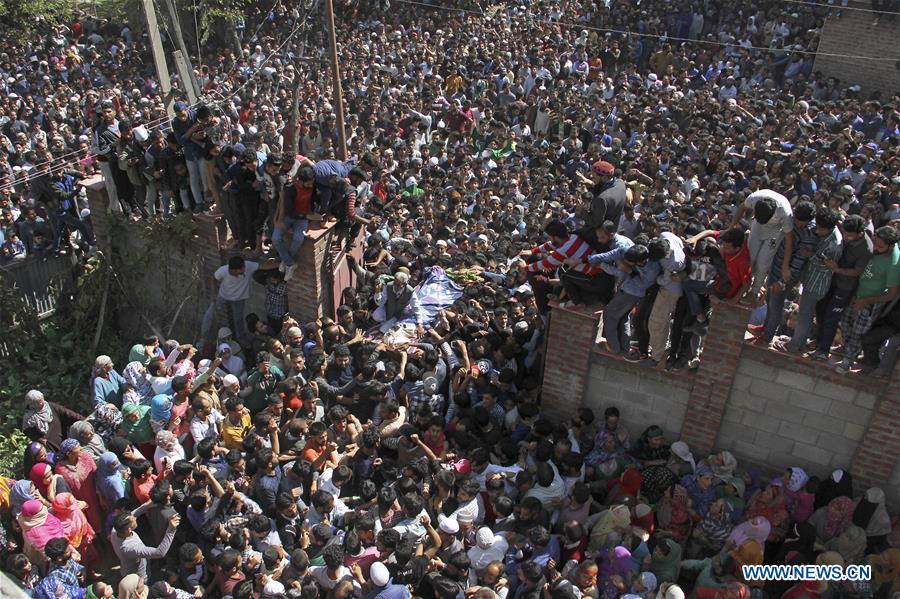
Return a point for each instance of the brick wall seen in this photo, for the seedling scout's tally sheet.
(853, 34)
(570, 342)
(769, 409)
(721, 353)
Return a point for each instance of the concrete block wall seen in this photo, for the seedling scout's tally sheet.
(641, 395)
(853, 34)
(770, 409)
(782, 415)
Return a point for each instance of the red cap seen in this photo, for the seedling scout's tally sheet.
(602, 167)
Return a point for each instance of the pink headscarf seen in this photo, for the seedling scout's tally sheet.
(38, 525)
(38, 471)
(75, 525)
(755, 529)
(838, 516)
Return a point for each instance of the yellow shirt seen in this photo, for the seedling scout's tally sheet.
(233, 434)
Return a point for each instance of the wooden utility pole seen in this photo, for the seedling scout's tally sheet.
(179, 40)
(295, 102)
(336, 73)
(159, 58)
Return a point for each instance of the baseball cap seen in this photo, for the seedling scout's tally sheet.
(179, 106)
(602, 167)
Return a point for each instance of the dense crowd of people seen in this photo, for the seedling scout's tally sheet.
(640, 161)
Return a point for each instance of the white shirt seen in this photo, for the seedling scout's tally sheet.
(781, 223)
(235, 288)
(201, 429)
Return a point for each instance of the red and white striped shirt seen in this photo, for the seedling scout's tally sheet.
(575, 248)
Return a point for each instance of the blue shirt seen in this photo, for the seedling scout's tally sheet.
(107, 390)
(620, 245)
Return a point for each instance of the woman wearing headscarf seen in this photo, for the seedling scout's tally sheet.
(709, 576)
(665, 561)
(46, 417)
(674, 513)
(168, 451)
(644, 584)
(644, 518)
(110, 485)
(99, 590)
(106, 420)
(752, 483)
(106, 382)
(136, 427)
(831, 520)
(70, 512)
(701, 489)
(872, 516)
(886, 572)
(135, 374)
(799, 500)
(160, 412)
(615, 572)
(746, 546)
(146, 351)
(38, 413)
(711, 533)
(625, 488)
(38, 526)
(723, 465)
(734, 494)
(851, 544)
(670, 590)
(36, 453)
(839, 484)
(46, 482)
(230, 363)
(681, 462)
(652, 453)
(83, 432)
(607, 459)
(21, 492)
(771, 504)
(132, 587)
(610, 528)
(78, 469)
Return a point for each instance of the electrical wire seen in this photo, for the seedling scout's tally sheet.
(156, 123)
(848, 7)
(302, 22)
(663, 36)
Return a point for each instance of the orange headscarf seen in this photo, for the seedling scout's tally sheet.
(76, 527)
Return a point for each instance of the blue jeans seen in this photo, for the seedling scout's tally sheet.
(805, 317)
(297, 229)
(615, 321)
(199, 184)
